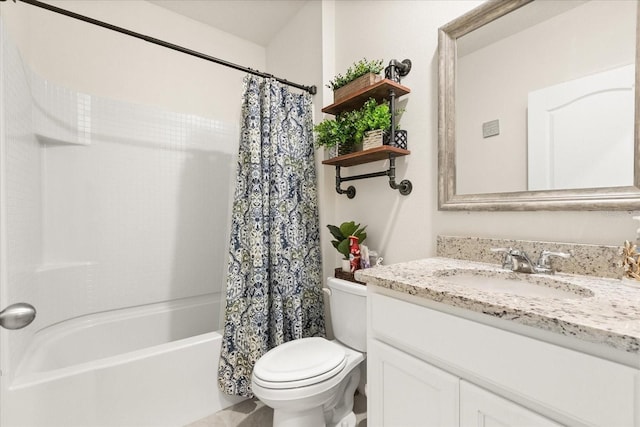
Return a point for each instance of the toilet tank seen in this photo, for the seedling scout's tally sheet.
(348, 308)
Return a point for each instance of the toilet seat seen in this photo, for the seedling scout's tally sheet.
(299, 363)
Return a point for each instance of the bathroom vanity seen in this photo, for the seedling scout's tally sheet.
(455, 342)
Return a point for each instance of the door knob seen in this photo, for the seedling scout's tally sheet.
(17, 316)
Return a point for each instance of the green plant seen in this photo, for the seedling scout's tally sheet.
(340, 131)
(349, 127)
(372, 116)
(358, 69)
(341, 236)
(328, 133)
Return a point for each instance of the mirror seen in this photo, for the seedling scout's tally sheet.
(537, 107)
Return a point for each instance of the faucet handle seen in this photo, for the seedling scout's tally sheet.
(545, 255)
(507, 261)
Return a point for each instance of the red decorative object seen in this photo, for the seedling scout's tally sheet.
(354, 253)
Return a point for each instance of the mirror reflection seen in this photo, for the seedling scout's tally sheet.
(544, 99)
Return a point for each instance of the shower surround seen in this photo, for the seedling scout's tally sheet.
(105, 205)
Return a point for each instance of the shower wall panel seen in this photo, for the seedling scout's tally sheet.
(136, 200)
(109, 204)
(21, 178)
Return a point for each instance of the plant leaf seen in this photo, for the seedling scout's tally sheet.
(343, 248)
(335, 232)
(361, 237)
(348, 228)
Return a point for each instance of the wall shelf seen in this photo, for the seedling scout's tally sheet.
(366, 156)
(379, 91)
(386, 89)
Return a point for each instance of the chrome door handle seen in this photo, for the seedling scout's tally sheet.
(17, 316)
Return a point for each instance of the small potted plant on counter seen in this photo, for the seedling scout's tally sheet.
(341, 239)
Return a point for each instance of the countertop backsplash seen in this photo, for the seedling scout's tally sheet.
(589, 260)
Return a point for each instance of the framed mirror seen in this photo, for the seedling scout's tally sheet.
(538, 107)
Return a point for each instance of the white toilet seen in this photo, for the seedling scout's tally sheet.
(310, 382)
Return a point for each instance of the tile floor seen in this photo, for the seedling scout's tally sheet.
(253, 413)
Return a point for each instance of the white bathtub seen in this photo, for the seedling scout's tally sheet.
(154, 365)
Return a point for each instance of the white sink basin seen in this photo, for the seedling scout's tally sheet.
(519, 284)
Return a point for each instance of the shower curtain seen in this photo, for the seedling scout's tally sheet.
(274, 289)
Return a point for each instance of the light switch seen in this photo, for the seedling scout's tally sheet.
(491, 128)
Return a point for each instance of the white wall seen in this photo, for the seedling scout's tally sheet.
(405, 227)
(97, 61)
(399, 227)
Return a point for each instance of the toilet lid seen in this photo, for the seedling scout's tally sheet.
(299, 363)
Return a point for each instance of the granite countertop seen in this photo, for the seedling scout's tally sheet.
(604, 311)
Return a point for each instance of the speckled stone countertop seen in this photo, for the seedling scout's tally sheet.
(587, 260)
(603, 310)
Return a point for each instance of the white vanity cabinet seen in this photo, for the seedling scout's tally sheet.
(430, 367)
(481, 408)
(408, 391)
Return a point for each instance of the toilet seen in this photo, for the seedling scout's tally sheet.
(311, 381)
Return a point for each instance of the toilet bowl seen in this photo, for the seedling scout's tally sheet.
(311, 381)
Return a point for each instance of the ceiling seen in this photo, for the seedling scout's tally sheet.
(254, 20)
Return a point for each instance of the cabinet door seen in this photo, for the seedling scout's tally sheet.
(481, 408)
(405, 392)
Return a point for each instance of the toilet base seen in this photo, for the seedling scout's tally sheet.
(341, 413)
(310, 418)
(348, 421)
(337, 412)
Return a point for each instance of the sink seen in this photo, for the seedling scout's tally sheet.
(520, 284)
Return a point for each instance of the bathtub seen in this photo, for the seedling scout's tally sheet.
(154, 365)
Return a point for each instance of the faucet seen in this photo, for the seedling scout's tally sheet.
(518, 261)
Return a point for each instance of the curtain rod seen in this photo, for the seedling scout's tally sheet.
(311, 89)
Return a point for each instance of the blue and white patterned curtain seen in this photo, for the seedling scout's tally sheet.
(274, 289)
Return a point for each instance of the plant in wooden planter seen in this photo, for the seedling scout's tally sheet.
(360, 75)
(338, 133)
(379, 134)
(375, 119)
(348, 129)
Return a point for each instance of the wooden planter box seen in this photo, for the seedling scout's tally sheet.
(354, 86)
(346, 276)
(337, 151)
(373, 139)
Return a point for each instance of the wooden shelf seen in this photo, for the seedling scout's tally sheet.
(374, 154)
(383, 90)
(379, 91)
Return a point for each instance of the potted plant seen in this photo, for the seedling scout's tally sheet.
(348, 129)
(339, 132)
(374, 120)
(361, 74)
(341, 239)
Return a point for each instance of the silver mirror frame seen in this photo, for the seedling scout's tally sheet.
(614, 198)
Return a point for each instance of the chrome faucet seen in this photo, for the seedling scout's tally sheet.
(507, 261)
(518, 261)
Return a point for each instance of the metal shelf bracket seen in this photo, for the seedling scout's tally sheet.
(404, 186)
(394, 72)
